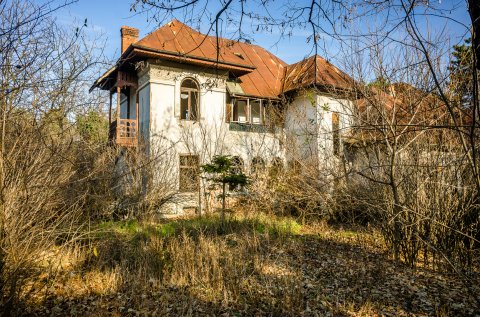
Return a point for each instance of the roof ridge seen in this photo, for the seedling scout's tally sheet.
(270, 75)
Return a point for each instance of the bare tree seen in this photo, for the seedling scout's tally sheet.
(44, 72)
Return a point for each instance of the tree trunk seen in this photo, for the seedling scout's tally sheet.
(474, 10)
(223, 204)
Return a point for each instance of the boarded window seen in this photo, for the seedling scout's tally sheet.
(189, 173)
(336, 133)
(189, 103)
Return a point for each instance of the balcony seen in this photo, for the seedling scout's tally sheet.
(125, 133)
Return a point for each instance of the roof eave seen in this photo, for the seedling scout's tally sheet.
(98, 83)
(276, 98)
(324, 88)
(240, 69)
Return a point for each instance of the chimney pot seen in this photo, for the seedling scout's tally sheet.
(129, 36)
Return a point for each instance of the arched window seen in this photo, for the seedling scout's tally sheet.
(258, 164)
(189, 100)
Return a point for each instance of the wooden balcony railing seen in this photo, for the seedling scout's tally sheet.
(125, 133)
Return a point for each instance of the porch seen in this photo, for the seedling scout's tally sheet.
(124, 126)
(124, 132)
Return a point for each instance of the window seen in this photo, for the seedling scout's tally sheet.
(256, 112)
(240, 110)
(189, 109)
(336, 133)
(189, 173)
(258, 164)
(248, 111)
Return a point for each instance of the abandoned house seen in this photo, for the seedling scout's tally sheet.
(177, 94)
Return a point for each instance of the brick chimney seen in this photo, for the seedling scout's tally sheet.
(129, 36)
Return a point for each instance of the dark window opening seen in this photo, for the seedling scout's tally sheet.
(258, 164)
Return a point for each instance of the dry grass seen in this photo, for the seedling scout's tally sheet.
(255, 266)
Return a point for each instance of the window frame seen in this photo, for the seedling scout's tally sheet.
(234, 101)
(248, 111)
(189, 91)
(196, 172)
(262, 112)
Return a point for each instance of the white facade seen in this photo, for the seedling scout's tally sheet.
(306, 134)
(309, 127)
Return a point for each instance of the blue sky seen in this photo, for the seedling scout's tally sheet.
(105, 17)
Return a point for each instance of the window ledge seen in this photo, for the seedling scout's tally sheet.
(186, 122)
(249, 127)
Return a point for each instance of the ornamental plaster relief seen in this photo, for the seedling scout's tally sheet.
(207, 81)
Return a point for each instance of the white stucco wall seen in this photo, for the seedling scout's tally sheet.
(170, 137)
(308, 127)
(301, 128)
(306, 136)
(326, 106)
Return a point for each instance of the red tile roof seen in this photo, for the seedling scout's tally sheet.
(264, 80)
(315, 70)
(261, 73)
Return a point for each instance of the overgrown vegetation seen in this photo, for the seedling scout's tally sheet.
(221, 171)
(392, 227)
(250, 264)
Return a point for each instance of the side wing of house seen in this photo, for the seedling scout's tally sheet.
(301, 131)
(314, 125)
(335, 117)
